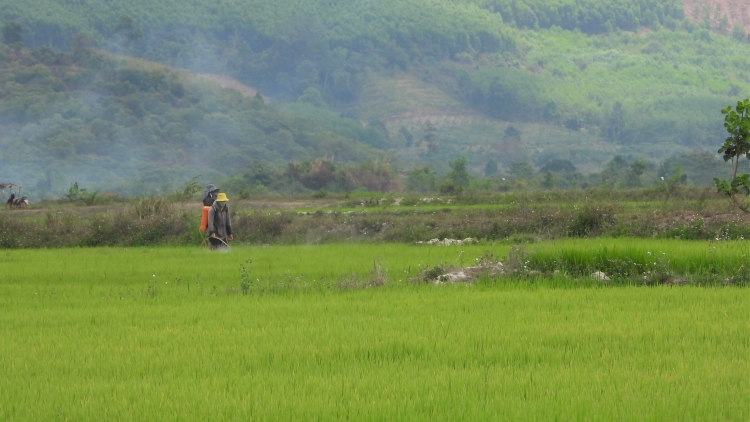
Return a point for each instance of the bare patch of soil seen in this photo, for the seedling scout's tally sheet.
(736, 11)
(231, 83)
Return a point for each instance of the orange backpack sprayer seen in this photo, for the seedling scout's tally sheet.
(204, 219)
(209, 196)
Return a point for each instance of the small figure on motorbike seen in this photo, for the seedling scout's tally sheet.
(18, 203)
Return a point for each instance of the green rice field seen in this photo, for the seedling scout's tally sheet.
(169, 334)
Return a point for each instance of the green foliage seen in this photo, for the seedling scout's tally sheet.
(548, 180)
(311, 96)
(429, 275)
(652, 93)
(189, 189)
(509, 94)
(246, 281)
(616, 86)
(82, 196)
(13, 34)
(430, 137)
(673, 184)
(619, 172)
(458, 174)
(738, 32)
(408, 137)
(558, 165)
(140, 128)
(590, 221)
(490, 167)
(736, 145)
(447, 186)
(521, 170)
(127, 28)
(421, 180)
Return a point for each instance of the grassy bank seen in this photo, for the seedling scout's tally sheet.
(694, 214)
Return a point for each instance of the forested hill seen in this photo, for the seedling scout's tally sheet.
(121, 124)
(497, 81)
(280, 44)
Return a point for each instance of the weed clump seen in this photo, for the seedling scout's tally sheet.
(517, 262)
(245, 280)
(377, 277)
(429, 275)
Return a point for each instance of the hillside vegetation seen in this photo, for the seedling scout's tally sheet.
(285, 45)
(134, 126)
(499, 82)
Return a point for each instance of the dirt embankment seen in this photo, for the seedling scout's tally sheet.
(735, 11)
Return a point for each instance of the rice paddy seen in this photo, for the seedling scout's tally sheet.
(167, 333)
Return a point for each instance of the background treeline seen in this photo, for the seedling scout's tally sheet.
(322, 176)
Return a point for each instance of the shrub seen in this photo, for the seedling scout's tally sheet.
(590, 221)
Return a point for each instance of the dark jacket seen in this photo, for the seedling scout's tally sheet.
(219, 222)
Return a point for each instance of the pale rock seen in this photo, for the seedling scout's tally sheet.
(599, 276)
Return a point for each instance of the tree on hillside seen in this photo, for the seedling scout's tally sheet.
(421, 180)
(458, 174)
(430, 137)
(636, 170)
(615, 123)
(559, 165)
(738, 32)
(126, 32)
(490, 167)
(548, 181)
(408, 137)
(13, 34)
(737, 144)
(521, 170)
(311, 96)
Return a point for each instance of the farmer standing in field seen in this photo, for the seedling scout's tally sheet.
(219, 223)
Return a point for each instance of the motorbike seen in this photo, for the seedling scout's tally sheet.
(19, 203)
